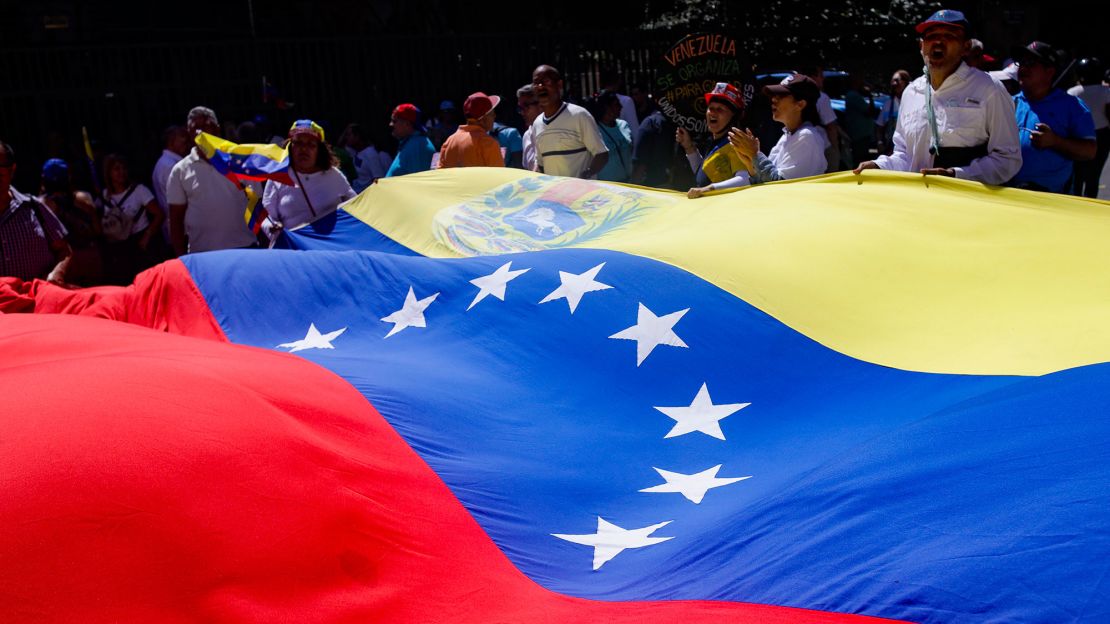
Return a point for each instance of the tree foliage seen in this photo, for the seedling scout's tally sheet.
(796, 27)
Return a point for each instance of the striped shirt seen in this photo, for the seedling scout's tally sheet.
(25, 246)
(567, 141)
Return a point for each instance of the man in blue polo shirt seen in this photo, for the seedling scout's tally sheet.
(414, 149)
(1055, 128)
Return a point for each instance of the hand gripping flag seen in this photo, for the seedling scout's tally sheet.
(644, 408)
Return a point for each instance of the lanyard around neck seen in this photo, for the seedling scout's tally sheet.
(934, 139)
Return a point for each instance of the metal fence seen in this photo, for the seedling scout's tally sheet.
(126, 94)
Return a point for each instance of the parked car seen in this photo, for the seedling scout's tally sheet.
(836, 83)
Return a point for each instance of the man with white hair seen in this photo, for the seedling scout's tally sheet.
(206, 208)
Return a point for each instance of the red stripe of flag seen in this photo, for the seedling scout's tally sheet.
(170, 482)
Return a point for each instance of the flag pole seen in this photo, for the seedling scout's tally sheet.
(92, 160)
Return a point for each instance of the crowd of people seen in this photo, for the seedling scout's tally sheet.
(1015, 126)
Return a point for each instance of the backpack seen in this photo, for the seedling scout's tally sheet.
(115, 223)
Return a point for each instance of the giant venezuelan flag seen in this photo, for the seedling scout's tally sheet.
(497, 396)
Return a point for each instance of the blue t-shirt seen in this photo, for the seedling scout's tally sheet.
(1069, 118)
(414, 153)
(510, 139)
(619, 141)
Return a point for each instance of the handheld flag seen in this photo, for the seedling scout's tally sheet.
(722, 163)
(254, 214)
(90, 158)
(271, 95)
(248, 161)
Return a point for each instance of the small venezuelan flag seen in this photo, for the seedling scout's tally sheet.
(255, 214)
(249, 161)
(721, 165)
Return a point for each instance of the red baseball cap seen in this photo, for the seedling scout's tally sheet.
(478, 105)
(728, 93)
(408, 112)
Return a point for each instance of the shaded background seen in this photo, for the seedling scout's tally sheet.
(127, 69)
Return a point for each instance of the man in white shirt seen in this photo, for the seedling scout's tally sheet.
(566, 137)
(176, 143)
(205, 205)
(955, 120)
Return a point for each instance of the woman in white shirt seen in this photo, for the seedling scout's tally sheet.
(318, 185)
(800, 152)
(131, 222)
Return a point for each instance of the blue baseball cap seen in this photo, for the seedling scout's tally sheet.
(55, 170)
(946, 17)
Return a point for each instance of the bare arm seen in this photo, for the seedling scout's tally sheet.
(84, 202)
(639, 173)
(833, 130)
(157, 216)
(63, 254)
(1077, 149)
(1074, 149)
(596, 165)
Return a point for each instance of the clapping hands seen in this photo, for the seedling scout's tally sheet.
(746, 145)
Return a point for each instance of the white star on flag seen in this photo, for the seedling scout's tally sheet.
(494, 283)
(573, 286)
(651, 331)
(692, 486)
(701, 415)
(312, 340)
(411, 313)
(610, 540)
